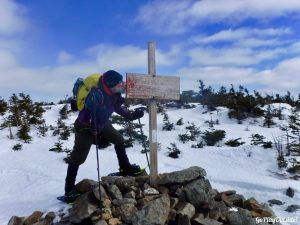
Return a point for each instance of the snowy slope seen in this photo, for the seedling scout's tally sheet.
(31, 179)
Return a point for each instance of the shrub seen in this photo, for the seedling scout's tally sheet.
(167, 125)
(184, 138)
(267, 144)
(234, 142)
(17, 147)
(282, 163)
(179, 122)
(212, 137)
(200, 144)
(257, 139)
(173, 151)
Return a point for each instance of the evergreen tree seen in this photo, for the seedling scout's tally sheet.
(179, 122)
(167, 125)
(3, 106)
(268, 122)
(294, 125)
(173, 151)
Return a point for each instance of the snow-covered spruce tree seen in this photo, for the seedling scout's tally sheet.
(63, 112)
(234, 142)
(23, 132)
(173, 151)
(211, 137)
(3, 106)
(62, 130)
(268, 121)
(167, 125)
(179, 122)
(192, 132)
(294, 125)
(23, 112)
(131, 132)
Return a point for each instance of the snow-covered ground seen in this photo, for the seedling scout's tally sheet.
(31, 179)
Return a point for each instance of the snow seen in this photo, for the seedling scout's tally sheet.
(32, 178)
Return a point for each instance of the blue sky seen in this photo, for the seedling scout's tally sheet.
(46, 44)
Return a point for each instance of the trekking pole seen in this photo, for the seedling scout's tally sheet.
(98, 170)
(98, 167)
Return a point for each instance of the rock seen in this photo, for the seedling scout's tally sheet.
(114, 221)
(290, 192)
(15, 220)
(150, 191)
(101, 222)
(48, 220)
(186, 209)
(184, 220)
(173, 202)
(97, 194)
(33, 218)
(83, 208)
(218, 211)
(123, 183)
(275, 202)
(154, 213)
(197, 193)
(130, 194)
(126, 212)
(182, 176)
(206, 221)
(86, 185)
(114, 192)
(258, 210)
(232, 199)
(119, 202)
(292, 208)
(147, 199)
(241, 217)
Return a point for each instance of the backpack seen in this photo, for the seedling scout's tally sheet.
(81, 89)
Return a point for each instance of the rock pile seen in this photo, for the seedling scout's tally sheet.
(183, 197)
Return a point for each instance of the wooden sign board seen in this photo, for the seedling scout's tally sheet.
(140, 86)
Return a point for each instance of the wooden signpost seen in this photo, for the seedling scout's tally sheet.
(152, 88)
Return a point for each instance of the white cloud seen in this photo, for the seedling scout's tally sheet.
(11, 17)
(177, 16)
(240, 35)
(282, 78)
(55, 82)
(64, 57)
(231, 56)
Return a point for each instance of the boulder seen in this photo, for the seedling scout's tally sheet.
(33, 218)
(154, 213)
(15, 220)
(83, 208)
(182, 176)
(290, 192)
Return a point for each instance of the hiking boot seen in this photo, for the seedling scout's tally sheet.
(131, 170)
(71, 196)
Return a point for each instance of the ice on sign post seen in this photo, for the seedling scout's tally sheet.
(140, 86)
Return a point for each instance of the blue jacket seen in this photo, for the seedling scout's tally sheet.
(99, 106)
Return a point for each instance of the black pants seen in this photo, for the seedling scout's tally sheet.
(84, 139)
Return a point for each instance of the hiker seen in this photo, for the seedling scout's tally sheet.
(93, 126)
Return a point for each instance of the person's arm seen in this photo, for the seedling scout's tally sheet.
(123, 111)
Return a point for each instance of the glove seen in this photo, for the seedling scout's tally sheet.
(136, 114)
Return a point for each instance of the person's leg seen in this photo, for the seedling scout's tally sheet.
(82, 145)
(112, 135)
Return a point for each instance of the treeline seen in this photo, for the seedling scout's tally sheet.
(241, 102)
